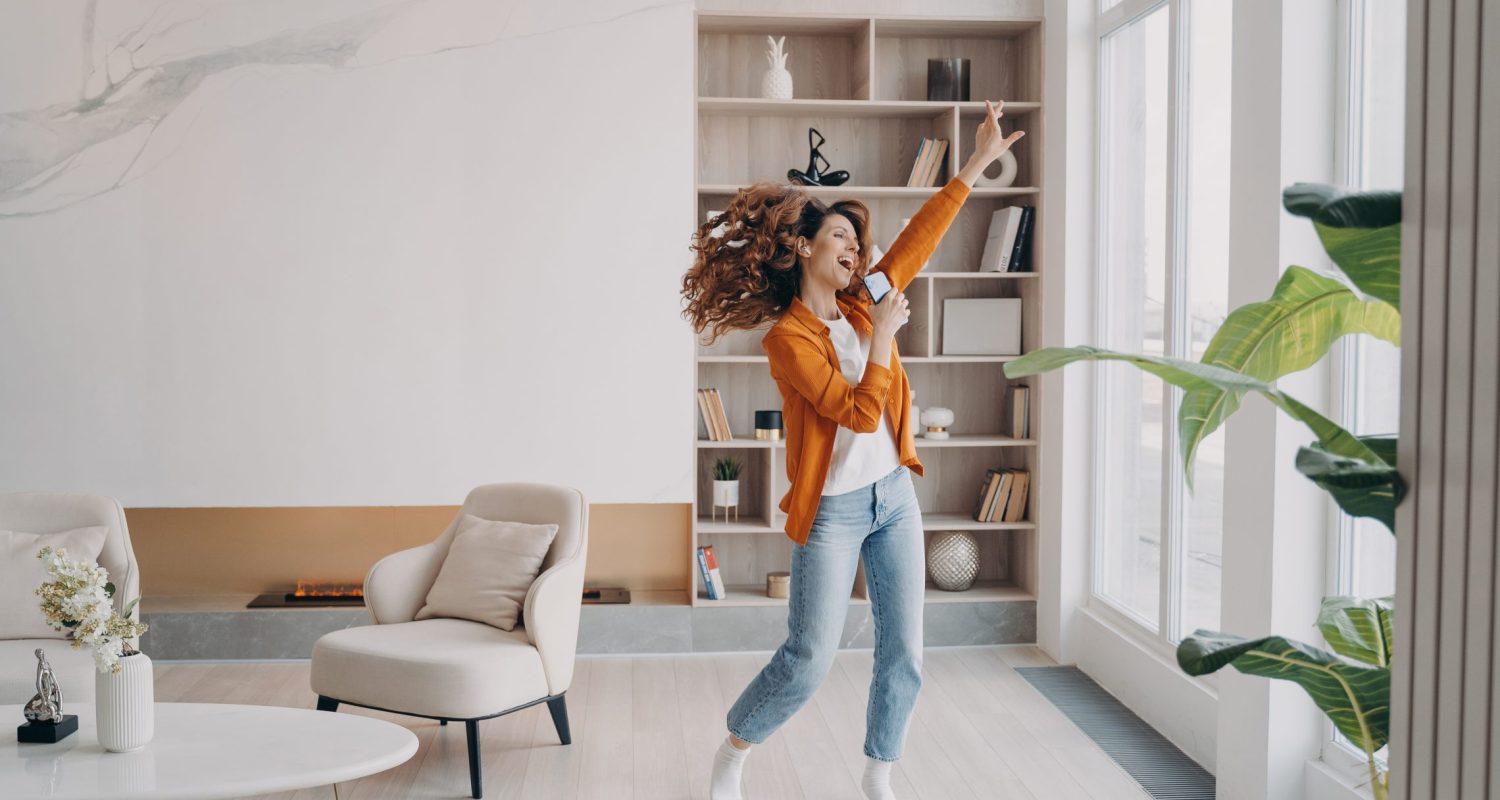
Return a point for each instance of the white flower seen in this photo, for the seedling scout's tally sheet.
(79, 594)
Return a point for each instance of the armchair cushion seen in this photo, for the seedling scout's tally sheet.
(489, 568)
(21, 572)
(438, 668)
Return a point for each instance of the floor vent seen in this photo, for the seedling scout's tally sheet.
(1165, 772)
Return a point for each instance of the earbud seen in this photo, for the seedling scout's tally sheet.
(806, 252)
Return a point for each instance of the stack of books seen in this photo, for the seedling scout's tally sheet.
(1007, 247)
(929, 163)
(1002, 496)
(708, 571)
(714, 418)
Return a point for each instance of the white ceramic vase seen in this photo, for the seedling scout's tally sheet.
(726, 493)
(125, 705)
(1007, 176)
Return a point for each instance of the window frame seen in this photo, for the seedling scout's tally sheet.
(1353, 36)
(1163, 633)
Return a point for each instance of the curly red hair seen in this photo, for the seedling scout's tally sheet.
(747, 271)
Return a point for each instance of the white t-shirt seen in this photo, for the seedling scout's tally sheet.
(859, 459)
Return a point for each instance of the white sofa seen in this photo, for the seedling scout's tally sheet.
(454, 669)
(53, 512)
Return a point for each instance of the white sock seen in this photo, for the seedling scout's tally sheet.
(877, 780)
(728, 763)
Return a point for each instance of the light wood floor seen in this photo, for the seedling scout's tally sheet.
(647, 727)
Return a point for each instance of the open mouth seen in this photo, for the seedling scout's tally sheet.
(847, 262)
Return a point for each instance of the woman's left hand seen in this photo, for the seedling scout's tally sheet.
(989, 143)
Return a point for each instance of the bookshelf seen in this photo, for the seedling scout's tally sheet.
(861, 81)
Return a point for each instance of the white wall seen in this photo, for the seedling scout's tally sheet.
(339, 252)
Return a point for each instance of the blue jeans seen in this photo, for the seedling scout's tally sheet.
(883, 522)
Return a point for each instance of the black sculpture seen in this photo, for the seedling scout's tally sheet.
(814, 176)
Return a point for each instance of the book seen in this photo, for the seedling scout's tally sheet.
(1015, 506)
(1020, 412)
(708, 422)
(1000, 240)
(997, 508)
(716, 402)
(714, 578)
(918, 163)
(1019, 251)
(987, 489)
(705, 575)
(935, 163)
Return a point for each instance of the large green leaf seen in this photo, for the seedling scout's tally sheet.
(1360, 487)
(1358, 628)
(1286, 333)
(1355, 696)
(1193, 376)
(1336, 208)
(1361, 232)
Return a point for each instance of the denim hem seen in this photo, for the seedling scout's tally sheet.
(737, 735)
(878, 758)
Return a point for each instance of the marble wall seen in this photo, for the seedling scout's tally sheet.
(340, 252)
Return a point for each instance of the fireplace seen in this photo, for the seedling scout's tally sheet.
(314, 594)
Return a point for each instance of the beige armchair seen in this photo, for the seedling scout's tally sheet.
(454, 669)
(54, 512)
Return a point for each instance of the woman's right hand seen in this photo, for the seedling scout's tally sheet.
(890, 313)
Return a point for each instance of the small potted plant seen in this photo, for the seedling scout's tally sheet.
(726, 487)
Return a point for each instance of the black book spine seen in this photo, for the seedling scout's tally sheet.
(1020, 259)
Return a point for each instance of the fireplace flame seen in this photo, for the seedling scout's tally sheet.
(310, 588)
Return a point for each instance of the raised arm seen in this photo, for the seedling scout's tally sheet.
(916, 243)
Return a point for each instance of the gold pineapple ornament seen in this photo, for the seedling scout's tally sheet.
(776, 84)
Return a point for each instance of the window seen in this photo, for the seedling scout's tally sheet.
(1367, 374)
(1163, 287)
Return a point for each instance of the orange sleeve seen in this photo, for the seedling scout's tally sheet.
(920, 238)
(803, 365)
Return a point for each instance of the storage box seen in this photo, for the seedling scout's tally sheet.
(988, 326)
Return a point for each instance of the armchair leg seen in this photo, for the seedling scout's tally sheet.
(327, 703)
(472, 727)
(559, 708)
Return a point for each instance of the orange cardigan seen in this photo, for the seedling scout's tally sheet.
(817, 399)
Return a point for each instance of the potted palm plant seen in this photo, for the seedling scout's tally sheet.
(1258, 343)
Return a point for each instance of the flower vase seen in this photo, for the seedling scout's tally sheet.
(726, 494)
(125, 705)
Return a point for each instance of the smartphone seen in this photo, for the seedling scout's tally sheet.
(878, 285)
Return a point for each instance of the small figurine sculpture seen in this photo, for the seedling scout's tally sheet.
(814, 175)
(45, 722)
(46, 706)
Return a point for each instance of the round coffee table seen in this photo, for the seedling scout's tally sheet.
(204, 750)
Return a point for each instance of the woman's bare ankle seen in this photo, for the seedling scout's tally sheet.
(738, 742)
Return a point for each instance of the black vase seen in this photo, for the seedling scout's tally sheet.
(948, 79)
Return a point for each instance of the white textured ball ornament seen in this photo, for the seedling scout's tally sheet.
(953, 560)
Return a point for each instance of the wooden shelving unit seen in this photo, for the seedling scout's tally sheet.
(861, 81)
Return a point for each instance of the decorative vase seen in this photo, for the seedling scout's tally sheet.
(776, 84)
(125, 705)
(1007, 176)
(953, 560)
(726, 495)
(948, 79)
